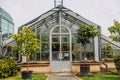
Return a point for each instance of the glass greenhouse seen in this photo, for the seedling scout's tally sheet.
(7, 28)
(56, 30)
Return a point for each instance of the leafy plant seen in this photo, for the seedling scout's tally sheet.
(108, 49)
(85, 33)
(115, 31)
(117, 62)
(27, 43)
(8, 67)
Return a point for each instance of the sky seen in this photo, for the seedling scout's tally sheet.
(101, 12)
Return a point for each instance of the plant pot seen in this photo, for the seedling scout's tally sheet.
(84, 68)
(118, 71)
(26, 74)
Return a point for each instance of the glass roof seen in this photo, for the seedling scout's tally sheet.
(5, 14)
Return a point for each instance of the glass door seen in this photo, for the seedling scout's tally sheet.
(60, 51)
(60, 48)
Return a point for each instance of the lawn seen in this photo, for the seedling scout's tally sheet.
(101, 77)
(34, 77)
(111, 75)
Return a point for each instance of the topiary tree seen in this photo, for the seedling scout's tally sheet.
(27, 43)
(85, 33)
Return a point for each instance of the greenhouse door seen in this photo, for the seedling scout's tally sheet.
(60, 50)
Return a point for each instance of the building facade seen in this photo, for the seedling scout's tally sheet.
(56, 30)
(6, 24)
(7, 28)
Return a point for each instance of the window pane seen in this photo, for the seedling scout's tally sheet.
(45, 47)
(4, 24)
(56, 30)
(64, 30)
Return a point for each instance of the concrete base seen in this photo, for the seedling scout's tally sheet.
(84, 74)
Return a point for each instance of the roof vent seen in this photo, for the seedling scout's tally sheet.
(58, 3)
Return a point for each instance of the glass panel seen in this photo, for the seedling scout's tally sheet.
(45, 28)
(64, 30)
(65, 38)
(66, 56)
(56, 30)
(45, 47)
(4, 24)
(11, 28)
(38, 32)
(38, 56)
(55, 38)
(44, 37)
(55, 46)
(55, 56)
(45, 56)
(65, 47)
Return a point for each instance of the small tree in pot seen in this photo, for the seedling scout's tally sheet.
(27, 44)
(85, 32)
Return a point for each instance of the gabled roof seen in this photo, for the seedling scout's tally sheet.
(56, 9)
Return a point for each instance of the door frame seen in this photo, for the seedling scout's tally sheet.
(70, 44)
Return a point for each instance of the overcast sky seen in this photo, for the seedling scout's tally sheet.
(101, 12)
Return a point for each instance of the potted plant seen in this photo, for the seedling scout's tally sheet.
(85, 32)
(27, 44)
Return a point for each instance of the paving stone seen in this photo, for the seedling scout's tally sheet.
(61, 77)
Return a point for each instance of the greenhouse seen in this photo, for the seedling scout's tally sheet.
(56, 31)
(60, 50)
(6, 28)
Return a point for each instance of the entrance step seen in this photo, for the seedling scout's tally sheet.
(62, 76)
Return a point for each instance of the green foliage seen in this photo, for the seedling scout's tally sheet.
(27, 43)
(108, 48)
(117, 61)
(85, 33)
(8, 67)
(115, 31)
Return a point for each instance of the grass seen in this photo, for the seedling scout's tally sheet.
(111, 75)
(101, 77)
(34, 77)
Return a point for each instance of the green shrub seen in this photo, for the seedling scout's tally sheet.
(8, 67)
(117, 62)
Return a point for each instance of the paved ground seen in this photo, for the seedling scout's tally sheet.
(61, 77)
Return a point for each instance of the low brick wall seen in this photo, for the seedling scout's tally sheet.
(94, 66)
(45, 67)
(37, 67)
(110, 64)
